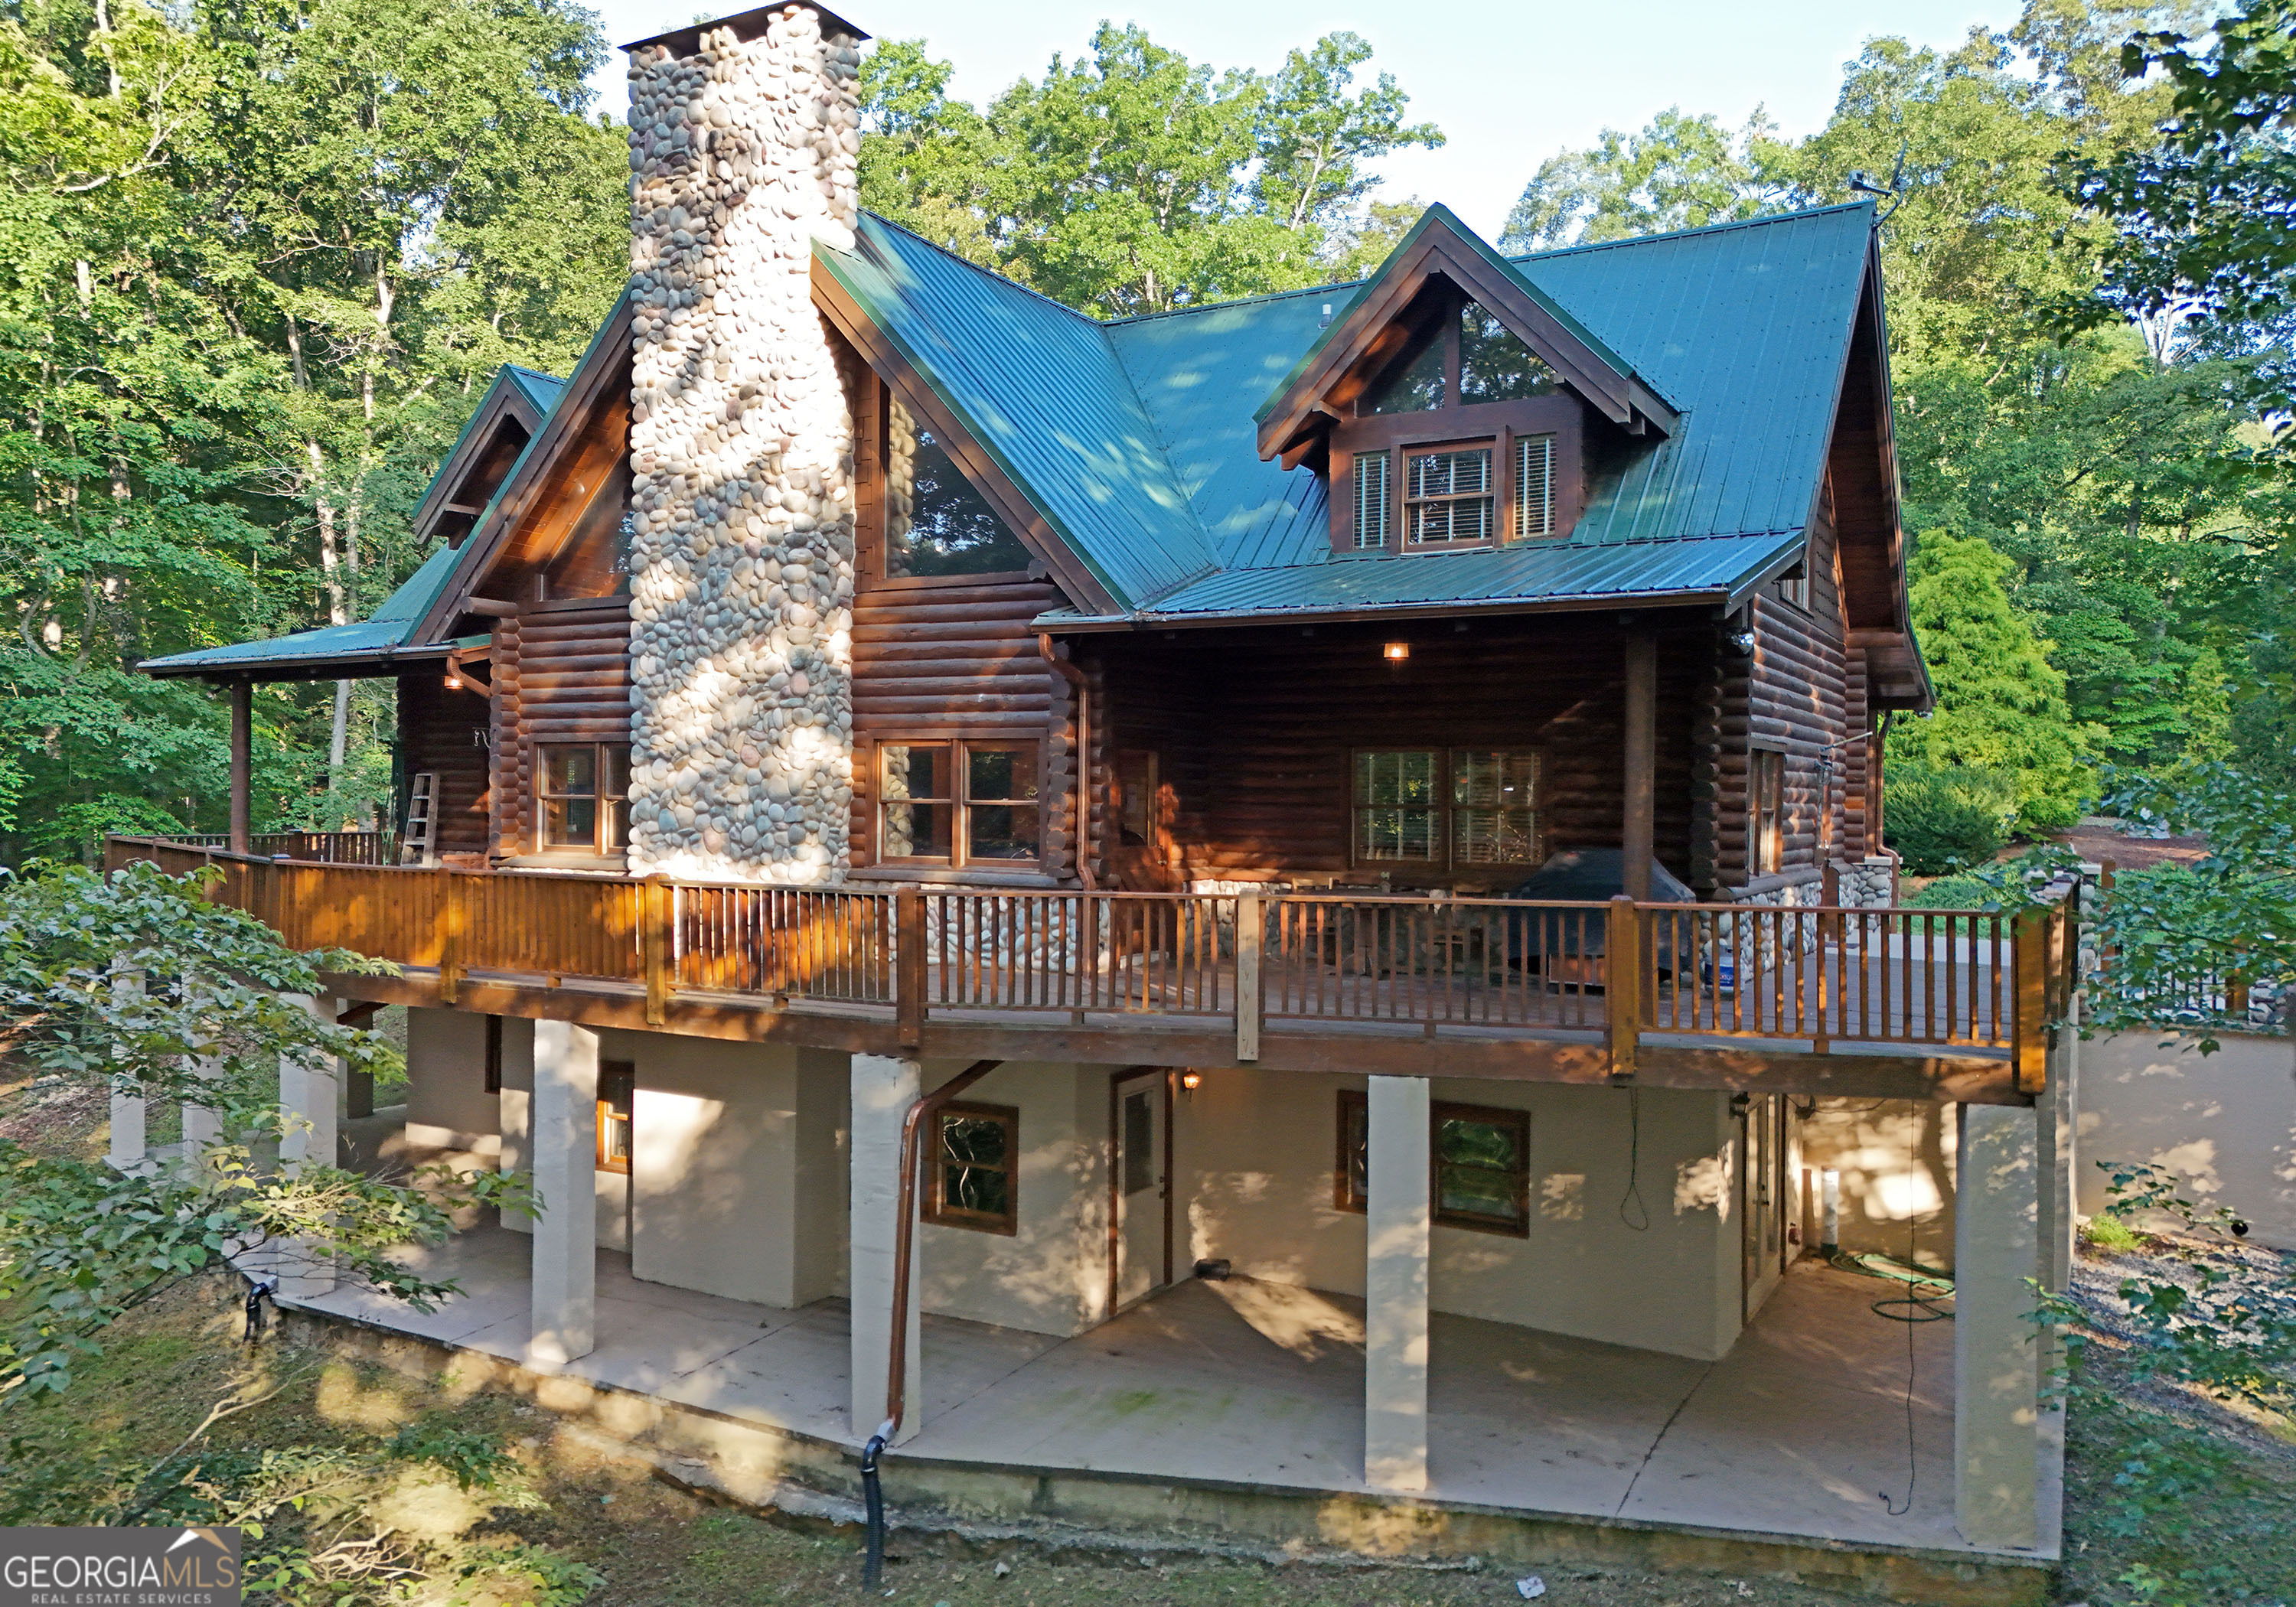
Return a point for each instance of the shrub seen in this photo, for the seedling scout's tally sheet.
(1945, 820)
(1956, 892)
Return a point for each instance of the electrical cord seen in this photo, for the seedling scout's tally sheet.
(1915, 1305)
(1633, 1197)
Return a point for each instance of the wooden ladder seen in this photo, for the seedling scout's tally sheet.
(414, 841)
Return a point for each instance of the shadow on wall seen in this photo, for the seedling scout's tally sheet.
(1895, 1157)
(2225, 1124)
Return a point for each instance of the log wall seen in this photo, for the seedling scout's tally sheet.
(955, 661)
(561, 673)
(442, 732)
(1255, 730)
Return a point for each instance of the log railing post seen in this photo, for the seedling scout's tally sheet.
(1622, 985)
(1248, 933)
(450, 935)
(909, 950)
(2030, 966)
(655, 898)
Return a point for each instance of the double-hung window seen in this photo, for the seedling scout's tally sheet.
(957, 803)
(1449, 496)
(1766, 786)
(1478, 1155)
(583, 798)
(1445, 808)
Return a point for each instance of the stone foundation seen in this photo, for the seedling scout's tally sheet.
(742, 154)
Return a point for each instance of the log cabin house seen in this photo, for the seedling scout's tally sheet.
(919, 799)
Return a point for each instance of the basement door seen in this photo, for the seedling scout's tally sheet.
(1764, 1199)
(1141, 1156)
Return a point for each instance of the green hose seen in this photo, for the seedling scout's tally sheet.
(1925, 1289)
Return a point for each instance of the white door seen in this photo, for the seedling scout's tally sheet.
(1764, 1178)
(1143, 1111)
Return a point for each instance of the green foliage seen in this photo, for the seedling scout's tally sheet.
(2108, 1232)
(474, 1461)
(1679, 173)
(134, 981)
(1133, 180)
(2001, 704)
(256, 265)
(1943, 821)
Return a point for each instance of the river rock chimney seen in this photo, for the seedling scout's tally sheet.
(743, 138)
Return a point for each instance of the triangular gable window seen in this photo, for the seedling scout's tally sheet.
(1495, 366)
(946, 527)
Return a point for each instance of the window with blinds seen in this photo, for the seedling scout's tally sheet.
(1371, 500)
(1447, 497)
(1534, 486)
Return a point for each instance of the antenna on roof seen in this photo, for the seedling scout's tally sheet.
(1894, 191)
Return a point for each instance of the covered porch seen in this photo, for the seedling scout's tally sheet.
(1821, 1424)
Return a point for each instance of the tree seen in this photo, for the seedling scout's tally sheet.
(1132, 180)
(2001, 704)
(135, 981)
(2206, 215)
(1679, 173)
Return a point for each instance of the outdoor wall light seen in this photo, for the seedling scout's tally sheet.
(1744, 641)
(1395, 653)
(1191, 1080)
(454, 681)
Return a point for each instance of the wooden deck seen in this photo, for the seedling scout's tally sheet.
(1896, 1003)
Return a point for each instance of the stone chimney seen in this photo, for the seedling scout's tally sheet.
(743, 135)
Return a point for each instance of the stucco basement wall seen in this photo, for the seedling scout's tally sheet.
(1895, 1157)
(448, 1105)
(738, 1172)
(1255, 1157)
(2226, 1123)
(1051, 1276)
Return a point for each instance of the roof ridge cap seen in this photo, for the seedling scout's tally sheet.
(1760, 220)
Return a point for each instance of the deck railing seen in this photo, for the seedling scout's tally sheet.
(322, 847)
(1940, 980)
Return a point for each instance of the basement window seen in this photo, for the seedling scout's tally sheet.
(618, 1082)
(1481, 1157)
(976, 1169)
(957, 803)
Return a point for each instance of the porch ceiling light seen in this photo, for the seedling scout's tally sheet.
(454, 681)
(1395, 653)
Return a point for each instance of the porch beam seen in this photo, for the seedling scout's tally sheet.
(1639, 829)
(564, 1139)
(242, 761)
(1398, 1221)
(1737, 1066)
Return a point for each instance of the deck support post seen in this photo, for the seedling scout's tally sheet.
(126, 1150)
(883, 1090)
(563, 1140)
(1997, 1360)
(242, 761)
(1399, 1182)
(1639, 832)
(202, 1124)
(309, 1102)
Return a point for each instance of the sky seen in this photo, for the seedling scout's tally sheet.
(1510, 85)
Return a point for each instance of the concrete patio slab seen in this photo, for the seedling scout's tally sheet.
(1802, 1430)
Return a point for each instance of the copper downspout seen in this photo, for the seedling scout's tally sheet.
(1075, 677)
(905, 1233)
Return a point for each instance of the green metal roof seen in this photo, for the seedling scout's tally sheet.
(373, 640)
(540, 388)
(1136, 439)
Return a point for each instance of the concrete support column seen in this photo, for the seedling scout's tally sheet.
(202, 1126)
(514, 1114)
(1399, 1181)
(1996, 1374)
(564, 1158)
(127, 1147)
(883, 1090)
(2056, 1118)
(309, 1099)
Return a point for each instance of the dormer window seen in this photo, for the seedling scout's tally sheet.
(1464, 440)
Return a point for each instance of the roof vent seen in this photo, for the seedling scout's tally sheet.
(1325, 320)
